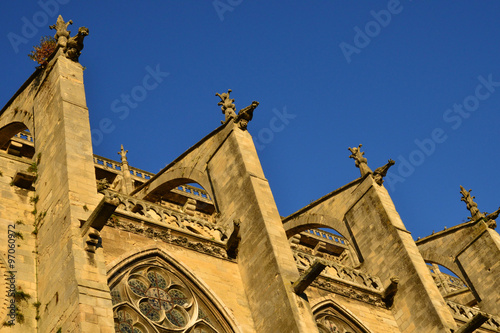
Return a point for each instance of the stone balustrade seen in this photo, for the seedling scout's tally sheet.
(339, 272)
(117, 166)
(464, 313)
(329, 237)
(193, 192)
(25, 136)
(167, 217)
(453, 282)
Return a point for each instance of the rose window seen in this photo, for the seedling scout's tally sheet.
(161, 299)
(153, 296)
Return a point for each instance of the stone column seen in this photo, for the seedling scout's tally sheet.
(388, 250)
(72, 285)
(264, 257)
(478, 261)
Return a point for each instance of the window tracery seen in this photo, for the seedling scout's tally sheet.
(151, 298)
(331, 320)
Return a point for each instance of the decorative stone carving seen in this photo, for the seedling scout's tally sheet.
(118, 184)
(72, 46)
(227, 105)
(150, 296)
(229, 110)
(338, 272)
(166, 216)
(339, 289)
(331, 321)
(360, 161)
(123, 154)
(166, 236)
(102, 184)
(490, 218)
(471, 205)
(75, 44)
(381, 172)
(465, 313)
(245, 115)
(62, 32)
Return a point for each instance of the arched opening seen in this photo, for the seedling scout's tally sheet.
(188, 196)
(325, 243)
(451, 286)
(322, 236)
(152, 291)
(17, 140)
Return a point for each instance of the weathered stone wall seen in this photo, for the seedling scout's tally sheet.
(16, 211)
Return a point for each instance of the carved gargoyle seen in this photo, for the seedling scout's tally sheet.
(494, 215)
(381, 172)
(72, 46)
(490, 218)
(245, 115)
(102, 184)
(227, 105)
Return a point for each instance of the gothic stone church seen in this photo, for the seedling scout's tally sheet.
(90, 244)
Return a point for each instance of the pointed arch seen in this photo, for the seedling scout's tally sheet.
(11, 129)
(330, 315)
(185, 302)
(13, 121)
(313, 221)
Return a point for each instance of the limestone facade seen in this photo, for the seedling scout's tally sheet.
(91, 244)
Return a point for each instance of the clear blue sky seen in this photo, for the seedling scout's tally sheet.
(415, 81)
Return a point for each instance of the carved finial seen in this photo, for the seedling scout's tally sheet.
(245, 115)
(62, 32)
(227, 105)
(72, 46)
(360, 161)
(471, 205)
(381, 172)
(123, 154)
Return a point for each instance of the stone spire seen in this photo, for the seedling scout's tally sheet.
(471, 205)
(125, 183)
(123, 154)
